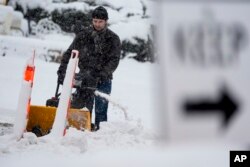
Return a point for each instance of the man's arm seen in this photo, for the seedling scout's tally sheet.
(65, 60)
(113, 59)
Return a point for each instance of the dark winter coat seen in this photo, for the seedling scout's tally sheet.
(99, 53)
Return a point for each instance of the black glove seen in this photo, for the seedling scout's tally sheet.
(89, 82)
(87, 79)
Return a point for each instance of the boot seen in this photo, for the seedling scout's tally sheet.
(95, 127)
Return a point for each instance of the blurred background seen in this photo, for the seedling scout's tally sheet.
(183, 77)
(45, 19)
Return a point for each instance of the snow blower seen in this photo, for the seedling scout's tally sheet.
(40, 119)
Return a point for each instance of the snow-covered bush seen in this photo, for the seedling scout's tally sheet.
(70, 20)
(12, 22)
(46, 26)
(143, 49)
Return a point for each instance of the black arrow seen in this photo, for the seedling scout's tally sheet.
(225, 105)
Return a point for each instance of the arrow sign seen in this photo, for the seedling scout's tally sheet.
(224, 105)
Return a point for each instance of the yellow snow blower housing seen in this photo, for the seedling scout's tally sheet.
(41, 119)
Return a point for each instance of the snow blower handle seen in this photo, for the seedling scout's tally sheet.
(57, 89)
(53, 102)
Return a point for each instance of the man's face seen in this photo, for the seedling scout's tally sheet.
(99, 24)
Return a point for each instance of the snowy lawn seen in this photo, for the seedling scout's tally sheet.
(132, 89)
(119, 142)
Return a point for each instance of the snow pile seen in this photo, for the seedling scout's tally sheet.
(107, 97)
(12, 22)
(23, 47)
(4, 11)
(136, 28)
(81, 6)
(121, 135)
(112, 135)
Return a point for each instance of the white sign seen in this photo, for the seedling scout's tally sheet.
(205, 57)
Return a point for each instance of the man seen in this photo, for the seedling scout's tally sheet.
(99, 56)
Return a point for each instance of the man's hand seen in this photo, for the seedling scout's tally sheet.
(87, 80)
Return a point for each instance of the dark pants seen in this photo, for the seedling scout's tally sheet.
(101, 104)
(85, 98)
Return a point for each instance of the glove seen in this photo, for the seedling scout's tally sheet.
(87, 80)
(77, 82)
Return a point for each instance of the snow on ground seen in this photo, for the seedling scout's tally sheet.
(132, 89)
(119, 142)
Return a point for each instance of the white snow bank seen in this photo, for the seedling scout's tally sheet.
(112, 135)
(10, 19)
(24, 47)
(81, 6)
(130, 4)
(127, 30)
